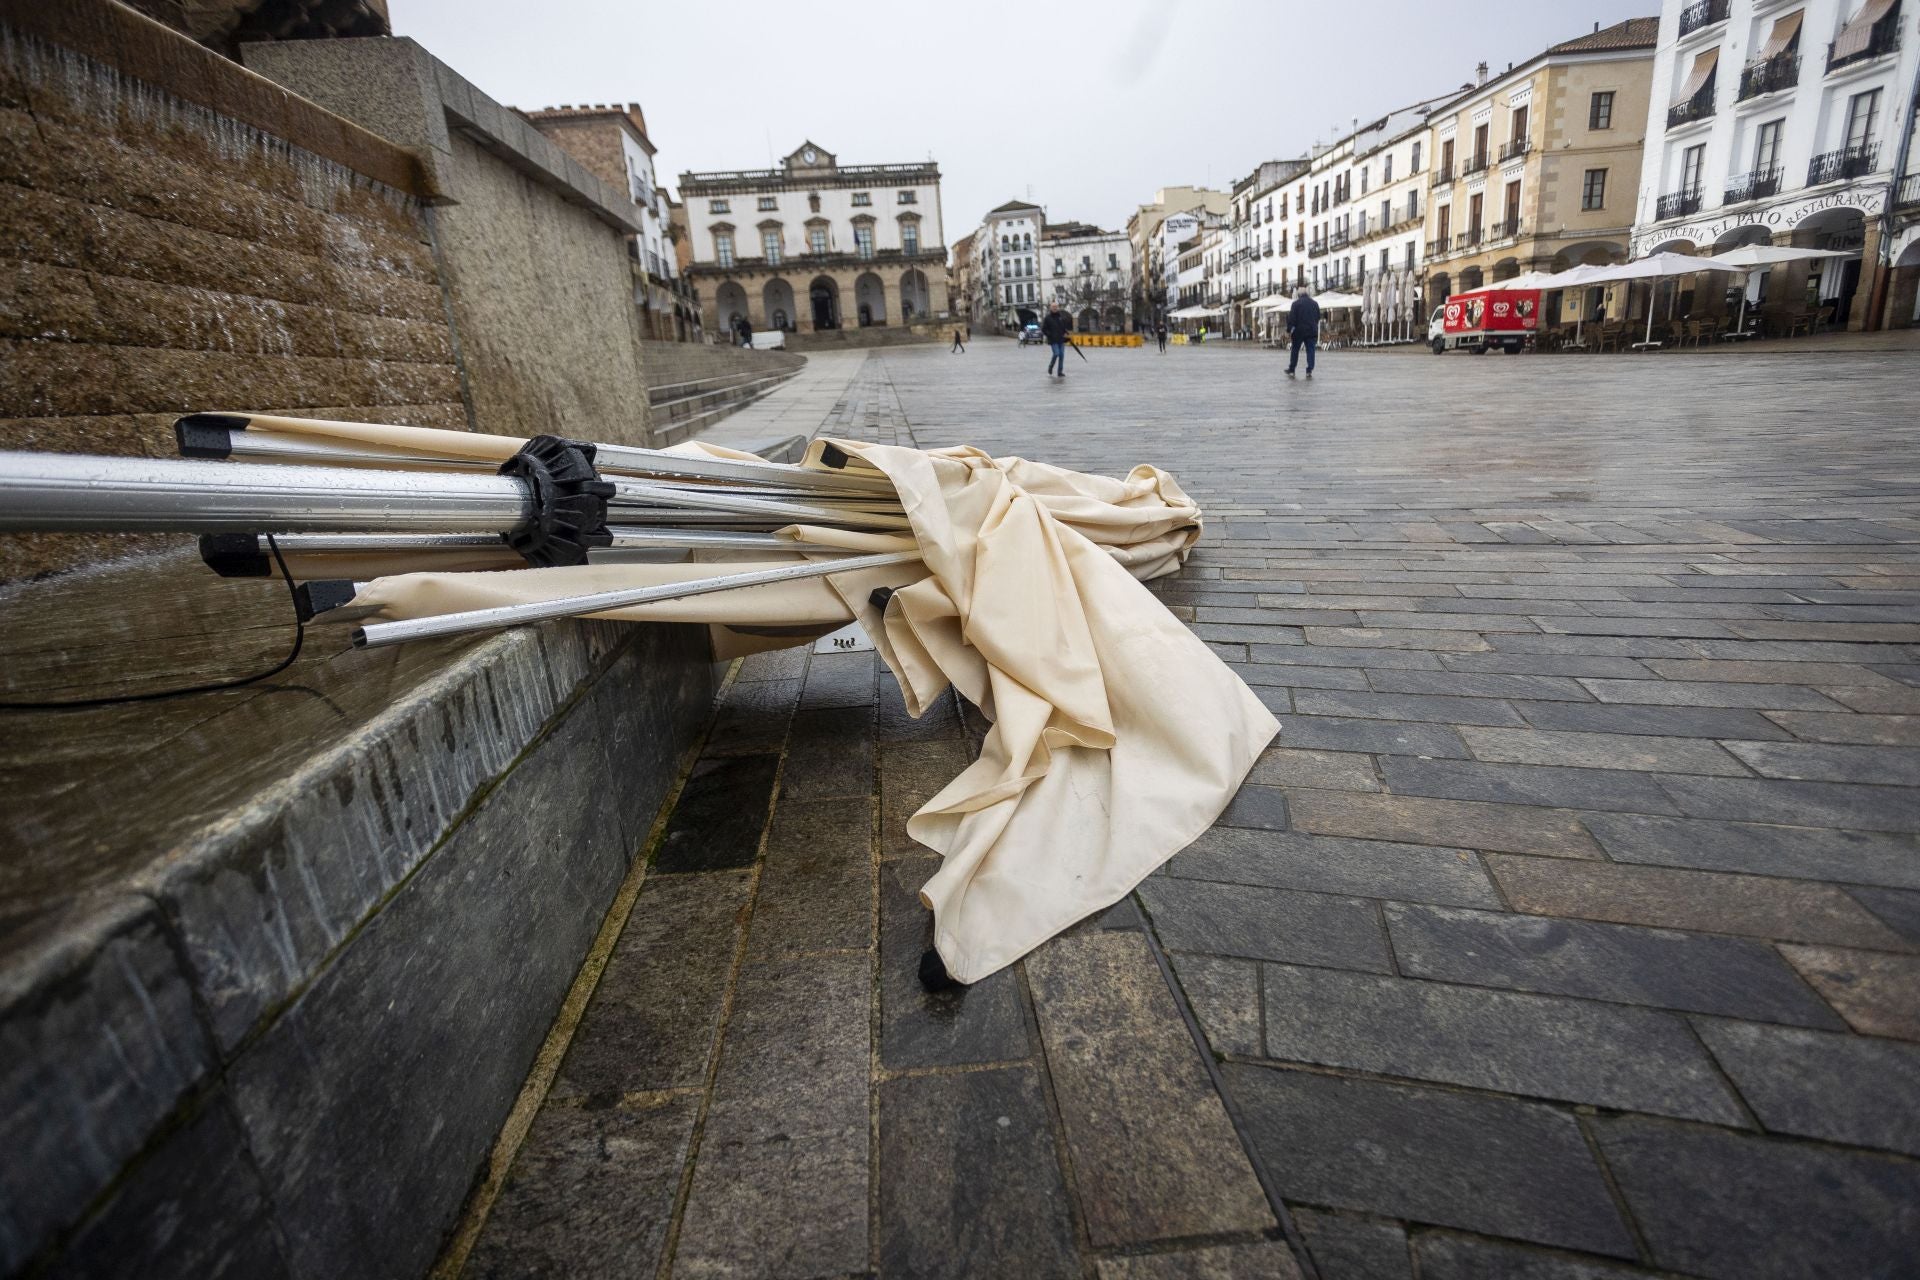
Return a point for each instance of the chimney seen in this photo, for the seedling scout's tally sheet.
(1480, 74)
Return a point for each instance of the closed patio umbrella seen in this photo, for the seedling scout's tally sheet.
(1660, 266)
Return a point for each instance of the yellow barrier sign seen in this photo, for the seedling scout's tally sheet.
(1108, 339)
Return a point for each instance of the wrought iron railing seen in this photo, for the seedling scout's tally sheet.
(1508, 229)
(1698, 107)
(1338, 240)
(1696, 16)
(1437, 247)
(1475, 163)
(1769, 75)
(1441, 176)
(1677, 205)
(1908, 192)
(1318, 247)
(1516, 147)
(1469, 238)
(1847, 162)
(1757, 185)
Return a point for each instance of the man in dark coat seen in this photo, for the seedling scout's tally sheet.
(1054, 328)
(1303, 323)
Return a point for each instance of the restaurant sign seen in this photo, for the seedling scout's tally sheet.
(1784, 216)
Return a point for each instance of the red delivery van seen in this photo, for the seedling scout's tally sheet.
(1484, 319)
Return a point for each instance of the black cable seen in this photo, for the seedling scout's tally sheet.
(299, 639)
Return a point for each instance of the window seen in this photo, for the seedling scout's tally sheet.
(1480, 145)
(770, 243)
(1513, 207)
(861, 198)
(1519, 118)
(1413, 163)
(1364, 174)
(1059, 267)
(723, 248)
(1386, 168)
(1410, 252)
(1863, 112)
(1005, 244)
(1386, 259)
(1113, 260)
(910, 237)
(907, 197)
(1476, 203)
(718, 206)
(1600, 110)
(1593, 190)
(817, 240)
(768, 202)
(1692, 160)
(863, 240)
(1086, 263)
(1766, 147)
(1446, 154)
(1413, 204)
(1386, 212)
(1027, 240)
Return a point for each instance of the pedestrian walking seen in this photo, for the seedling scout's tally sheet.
(959, 343)
(1160, 332)
(1054, 328)
(1303, 324)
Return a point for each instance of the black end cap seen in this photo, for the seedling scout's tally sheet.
(205, 435)
(879, 598)
(312, 599)
(933, 972)
(235, 555)
(833, 456)
(569, 502)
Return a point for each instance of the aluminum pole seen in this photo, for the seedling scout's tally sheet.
(52, 491)
(375, 634)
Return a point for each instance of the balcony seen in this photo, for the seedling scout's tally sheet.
(1442, 176)
(1706, 13)
(1317, 248)
(1338, 240)
(1437, 247)
(1475, 163)
(1757, 185)
(1507, 230)
(1517, 147)
(1677, 205)
(1782, 71)
(1848, 162)
(1882, 38)
(1907, 193)
(1470, 239)
(1698, 107)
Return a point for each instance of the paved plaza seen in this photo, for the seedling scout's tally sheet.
(1570, 929)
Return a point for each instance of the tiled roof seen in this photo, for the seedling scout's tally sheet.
(1013, 206)
(1634, 33)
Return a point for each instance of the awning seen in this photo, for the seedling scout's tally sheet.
(1273, 302)
(1195, 313)
(1697, 78)
(1854, 37)
(1786, 29)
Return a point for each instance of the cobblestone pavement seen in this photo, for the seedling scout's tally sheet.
(1569, 930)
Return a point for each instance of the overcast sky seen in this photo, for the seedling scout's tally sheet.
(1138, 95)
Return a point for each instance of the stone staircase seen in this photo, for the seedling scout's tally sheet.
(682, 410)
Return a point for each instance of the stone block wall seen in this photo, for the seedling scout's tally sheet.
(163, 256)
(674, 364)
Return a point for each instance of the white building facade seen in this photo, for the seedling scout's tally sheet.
(1089, 272)
(1007, 265)
(816, 245)
(1787, 122)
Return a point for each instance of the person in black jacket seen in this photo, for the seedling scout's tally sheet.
(1303, 323)
(1055, 328)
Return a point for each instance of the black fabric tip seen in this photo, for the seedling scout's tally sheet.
(933, 972)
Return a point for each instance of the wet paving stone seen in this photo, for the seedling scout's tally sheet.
(1812, 853)
(1330, 864)
(1347, 1247)
(1698, 1195)
(1225, 997)
(831, 754)
(1153, 1154)
(982, 1022)
(1265, 924)
(1444, 1256)
(1486, 1164)
(716, 823)
(1463, 823)
(969, 1181)
(590, 1193)
(1505, 1042)
(1264, 1260)
(911, 774)
(1847, 1089)
(1878, 994)
(816, 885)
(1698, 973)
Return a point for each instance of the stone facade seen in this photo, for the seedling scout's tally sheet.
(815, 245)
(168, 255)
(1510, 160)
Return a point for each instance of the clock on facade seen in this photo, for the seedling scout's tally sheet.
(809, 155)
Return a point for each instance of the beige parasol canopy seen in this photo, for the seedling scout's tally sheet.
(1117, 736)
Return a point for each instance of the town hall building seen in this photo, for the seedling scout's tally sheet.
(815, 245)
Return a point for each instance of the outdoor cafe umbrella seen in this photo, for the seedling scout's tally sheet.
(1767, 255)
(1116, 735)
(1658, 266)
